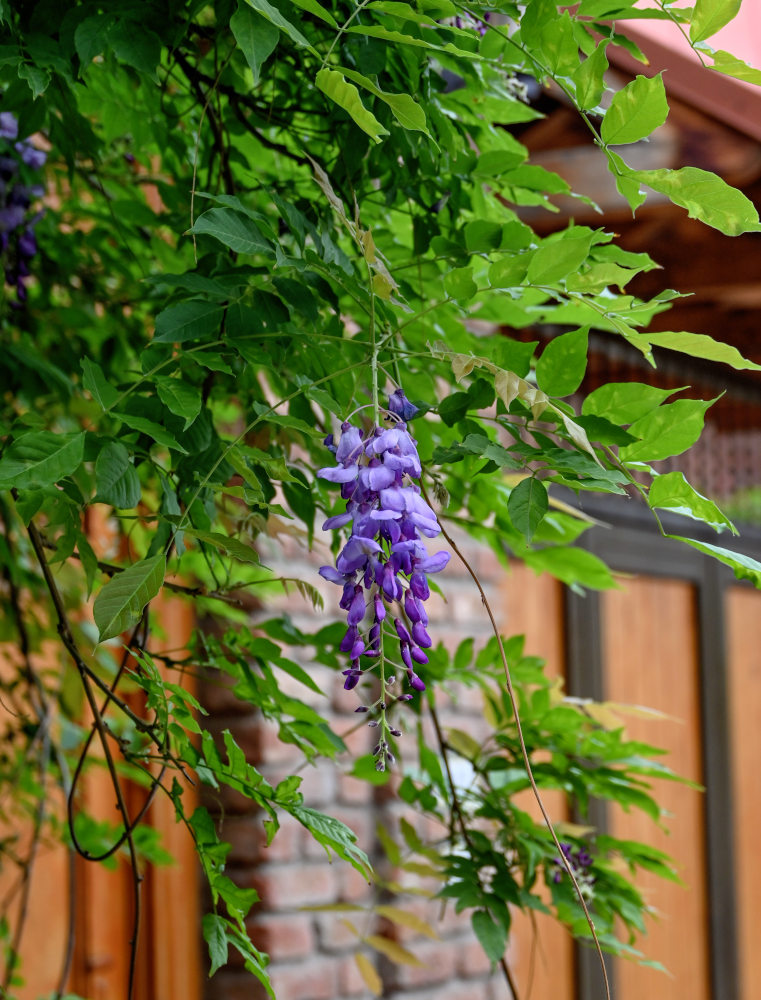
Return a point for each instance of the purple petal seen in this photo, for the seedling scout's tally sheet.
(357, 609)
(377, 478)
(349, 639)
(338, 474)
(350, 446)
(337, 521)
(420, 635)
(401, 406)
(401, 630)
(415, 681)
(434, 563)
(331, 574)
(418, 655)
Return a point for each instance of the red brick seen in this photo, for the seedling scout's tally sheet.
(471, 960)
(286, 887)
(235, 985)
(454, 991)
(217, 696)
(334, 934)
(353, 791)
(354, 888)
(438, 958)
(315, 979)
(247, 837)
(283, 937)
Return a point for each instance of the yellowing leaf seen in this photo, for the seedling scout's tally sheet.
(463, 744)
(406, 919)
(369, 974)
(332, 907)
(393, 950)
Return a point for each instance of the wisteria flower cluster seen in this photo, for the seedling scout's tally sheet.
(580, 862)
(384, 566)
(18, 243)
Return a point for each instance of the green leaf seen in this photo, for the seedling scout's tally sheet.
(725, 62)
(188, 321)
(180, 398)
(627, 184)
(624, 402)
(346, 96)
(120, 603)
(41, 458)
(589, 78)
(152, 429)
(312, 7)
(97, 385)
(335, 835)
(135, 45)
(635, 111)
(459, 284)
(557, 258)
(215, 936)
(667, 431)
(389, 35)
(255, 36)
(571, 565)
(38, 79)
(91, 37)
(705, 196)
(482, 236)
(273, 15)
(710, 16)
(527, 505)
(231, 546)
(672, 492)
(404, 108)
(744, 567)
(238, 232)
(491, 935)
(116, 478)
(697, 345)
(561, 366)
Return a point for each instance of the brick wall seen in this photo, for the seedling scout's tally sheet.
(312, 952)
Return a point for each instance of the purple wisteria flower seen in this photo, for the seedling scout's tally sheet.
(383, 567)
(580, 862)
(18, 244)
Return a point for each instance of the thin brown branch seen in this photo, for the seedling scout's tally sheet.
(111, 569)
(524, 753)
(506, 971)
(64, 631)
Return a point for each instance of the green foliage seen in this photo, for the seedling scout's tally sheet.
(259, 220)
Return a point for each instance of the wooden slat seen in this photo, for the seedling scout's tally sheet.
(651, 659)
(173, 892)
(541, 953)
(743, 607)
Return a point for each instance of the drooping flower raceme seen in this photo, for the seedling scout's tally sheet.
(383, 567)
(18, 163)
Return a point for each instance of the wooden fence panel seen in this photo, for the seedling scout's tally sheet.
(650, 649)
(541, 951)
(743, 607)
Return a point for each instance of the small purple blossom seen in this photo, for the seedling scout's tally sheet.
(401, 406)
(385, 560)
(580, 862)
(18, 242)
